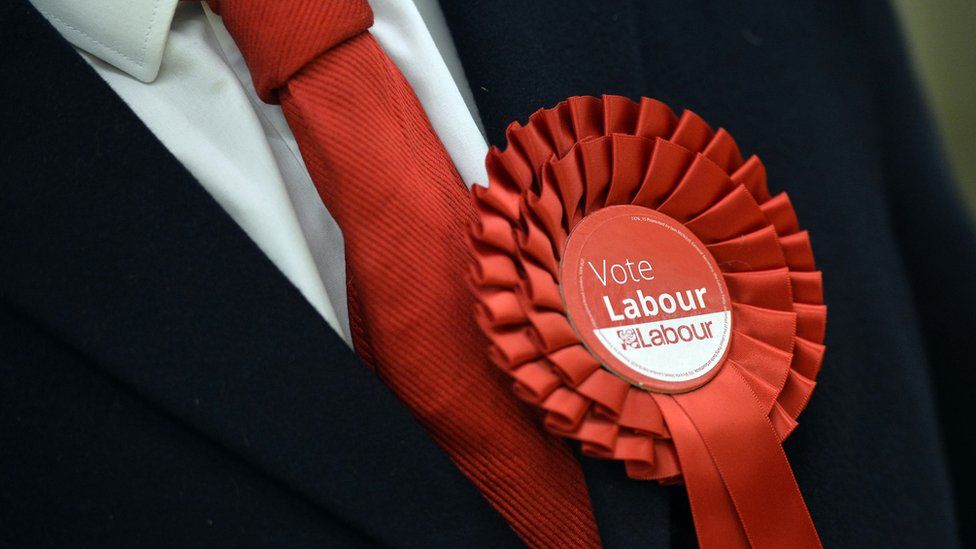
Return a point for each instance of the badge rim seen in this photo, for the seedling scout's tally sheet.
(623, 371)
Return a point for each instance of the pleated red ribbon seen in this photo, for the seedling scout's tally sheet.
(723, 438)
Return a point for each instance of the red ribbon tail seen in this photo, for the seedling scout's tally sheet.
(740, 484)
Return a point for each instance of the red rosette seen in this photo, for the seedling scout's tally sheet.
(588, 154)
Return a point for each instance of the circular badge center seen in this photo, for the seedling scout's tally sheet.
(646, 298)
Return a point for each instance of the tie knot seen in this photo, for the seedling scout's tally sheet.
(279, 37)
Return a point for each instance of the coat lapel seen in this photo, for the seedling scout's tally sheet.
(112, 246)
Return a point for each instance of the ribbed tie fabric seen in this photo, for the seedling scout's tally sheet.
(386, 178)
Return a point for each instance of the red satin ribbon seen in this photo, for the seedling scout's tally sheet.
(741, 487)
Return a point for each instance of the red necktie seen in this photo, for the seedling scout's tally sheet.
(403, 210)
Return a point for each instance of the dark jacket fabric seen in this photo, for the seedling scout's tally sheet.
(163, 384)
(822, 93)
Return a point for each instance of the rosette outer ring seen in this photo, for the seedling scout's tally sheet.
(587, 154)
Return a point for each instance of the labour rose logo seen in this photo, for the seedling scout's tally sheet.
(628, 339)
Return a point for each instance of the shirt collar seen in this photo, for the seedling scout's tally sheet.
(129, 34)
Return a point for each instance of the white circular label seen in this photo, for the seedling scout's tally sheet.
(646, 298)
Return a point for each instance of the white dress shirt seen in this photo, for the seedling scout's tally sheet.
(177, 67)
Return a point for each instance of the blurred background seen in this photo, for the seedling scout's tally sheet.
(941, 36)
